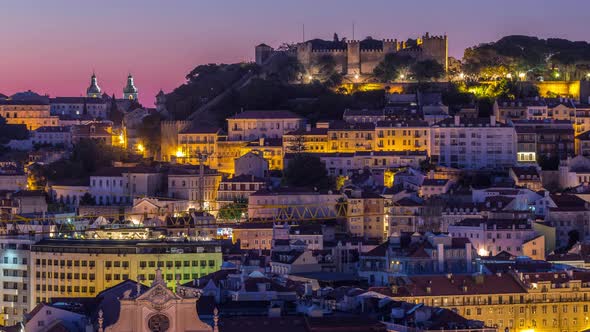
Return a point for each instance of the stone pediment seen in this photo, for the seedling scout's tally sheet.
(159, 295)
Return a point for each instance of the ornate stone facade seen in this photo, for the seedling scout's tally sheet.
(159, 310)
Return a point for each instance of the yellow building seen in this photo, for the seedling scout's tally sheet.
(366, 215)
(195, 142)
(227, 153)
(412, 135)
(83, 268)
(346, 137)
(33, 114)
(523, 302)
(309, 140)
(270, 149)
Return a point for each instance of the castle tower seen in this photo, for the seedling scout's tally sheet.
(93, 90)
(437, 48)
(161, 102)
(262, 53)
(353, 55)
(130, 91)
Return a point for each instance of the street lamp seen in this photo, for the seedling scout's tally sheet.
(402, 76)
(461, 76)
(356, 76)
(521, 75)
(509, 75)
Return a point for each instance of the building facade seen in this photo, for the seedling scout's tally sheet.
(82, 268)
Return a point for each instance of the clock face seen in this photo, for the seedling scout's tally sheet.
(158, 323)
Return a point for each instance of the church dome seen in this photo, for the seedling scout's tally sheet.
(93, 89)
(130, 87)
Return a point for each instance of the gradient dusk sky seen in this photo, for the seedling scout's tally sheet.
(52, 46)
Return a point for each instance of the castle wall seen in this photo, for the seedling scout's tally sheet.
(169, 137)
(353, 60)
(370, 59)
(339, 57)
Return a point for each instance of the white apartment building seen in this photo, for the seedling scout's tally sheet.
(492, 236)
(52, 135)
(473, 143)
(12, 179)
(14, 271)
(185, 183)
(118, 185)
(78, 106)
(252, 125)
(345, 163)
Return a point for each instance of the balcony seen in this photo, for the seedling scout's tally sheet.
(13, 279)
(12, 292)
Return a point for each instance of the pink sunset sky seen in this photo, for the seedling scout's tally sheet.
(52, 47)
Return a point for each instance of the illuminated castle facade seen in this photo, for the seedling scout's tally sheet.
(356, 58)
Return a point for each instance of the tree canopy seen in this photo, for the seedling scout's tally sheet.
(392, 66)
(531, 55)
(306, 170)
(427, 70)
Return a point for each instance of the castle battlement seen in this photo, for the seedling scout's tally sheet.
(358, 57)
(428, 36)
(331, 50)
(372, 50)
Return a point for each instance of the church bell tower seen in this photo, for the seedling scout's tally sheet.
(130, 91)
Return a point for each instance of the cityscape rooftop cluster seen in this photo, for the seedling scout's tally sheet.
(424, 195)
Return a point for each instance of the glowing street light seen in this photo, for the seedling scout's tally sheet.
(356, 76)
(461, 76)
(140, 147)
(482, 252)
(521, 75)
(509, 75)
(309, 77)
(179, 153)
(402, 76)
(556, 74)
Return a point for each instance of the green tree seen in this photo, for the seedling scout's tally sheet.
(327, 71)
(87, 199)
(427, 70)
(390, 68)
(306, 170)
(235, 210)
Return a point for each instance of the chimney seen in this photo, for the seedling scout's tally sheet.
(492, 120)
(457, 120)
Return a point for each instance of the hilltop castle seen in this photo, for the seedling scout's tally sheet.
(358, 58)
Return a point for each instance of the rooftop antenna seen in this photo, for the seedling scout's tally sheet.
(352, 30)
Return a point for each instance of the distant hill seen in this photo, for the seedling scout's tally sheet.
(204, 83)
